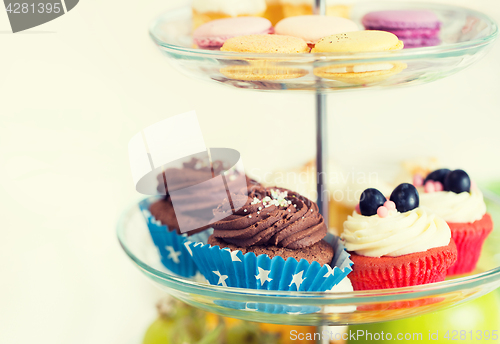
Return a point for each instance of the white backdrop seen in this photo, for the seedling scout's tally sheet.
(75, 90)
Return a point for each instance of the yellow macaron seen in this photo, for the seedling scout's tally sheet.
(358, 42)
(360, 74)
(270, 44)
(264, 69)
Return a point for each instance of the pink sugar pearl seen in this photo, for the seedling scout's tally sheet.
(357, 209)
(429, 187)
(382, 211)
(418, 180)
(390, 205)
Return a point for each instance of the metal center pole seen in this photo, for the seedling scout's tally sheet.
(321, 138)
(322, 155)
(321, 145)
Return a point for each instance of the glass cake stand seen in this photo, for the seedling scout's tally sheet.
(311, 308)
(466, 36)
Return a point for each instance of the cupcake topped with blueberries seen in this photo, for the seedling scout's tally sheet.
(387, 236)
(453, 196)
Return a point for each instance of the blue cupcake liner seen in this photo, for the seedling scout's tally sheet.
(233, 269)
(227, 268)
(174, 254)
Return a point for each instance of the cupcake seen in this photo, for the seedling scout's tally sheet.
(208, 10)
(194, 213)
(396, 243)
(451, 196)
(276, 241)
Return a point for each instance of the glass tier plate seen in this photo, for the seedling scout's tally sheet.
(311, 308)
(465, 37)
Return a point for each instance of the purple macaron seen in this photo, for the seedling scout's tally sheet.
(213, 34)
(416, 28)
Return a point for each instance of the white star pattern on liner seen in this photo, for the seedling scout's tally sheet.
(330, 271)
(222, 278)
(156, 222)
(263, 276)
(297, 279)
(188, 248)
(234, 257)
(173, 254)
(146, 213)
(294, 313)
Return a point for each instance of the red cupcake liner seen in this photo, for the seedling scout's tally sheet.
(469, 238)
(394, 272)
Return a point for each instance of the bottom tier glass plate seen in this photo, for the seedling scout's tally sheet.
(311, 308)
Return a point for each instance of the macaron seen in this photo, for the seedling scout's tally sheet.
(312, 28)
(264, 69)
(270, 44)
(360, 74)
(416, 28)
(358, 42)
(213, 34)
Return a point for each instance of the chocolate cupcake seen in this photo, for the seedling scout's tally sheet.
(276, 222)
(276, 241)
(193, 210)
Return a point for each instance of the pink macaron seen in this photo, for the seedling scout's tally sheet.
(416, 28)
(213, 34)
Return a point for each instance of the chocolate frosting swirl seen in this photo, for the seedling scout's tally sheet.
(271, 216)
(196, 206)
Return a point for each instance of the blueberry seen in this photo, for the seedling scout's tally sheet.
(437, 175)
(457, 181)
(405, 196)
(370, 200)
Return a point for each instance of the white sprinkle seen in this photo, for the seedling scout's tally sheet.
(245, 210)
(295, 205)
(311, 210)
(302, 217)
(249, 216)
(260, 208)
(289, 210)
(258, 212)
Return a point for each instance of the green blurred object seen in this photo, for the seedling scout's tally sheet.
(179, 323)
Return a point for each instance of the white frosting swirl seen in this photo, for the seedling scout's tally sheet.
(231, 7)
(395, 235)
(464, 207)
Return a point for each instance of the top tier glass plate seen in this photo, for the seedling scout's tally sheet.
(465, 37)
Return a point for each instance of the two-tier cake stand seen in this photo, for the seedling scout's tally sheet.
(466, 36)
